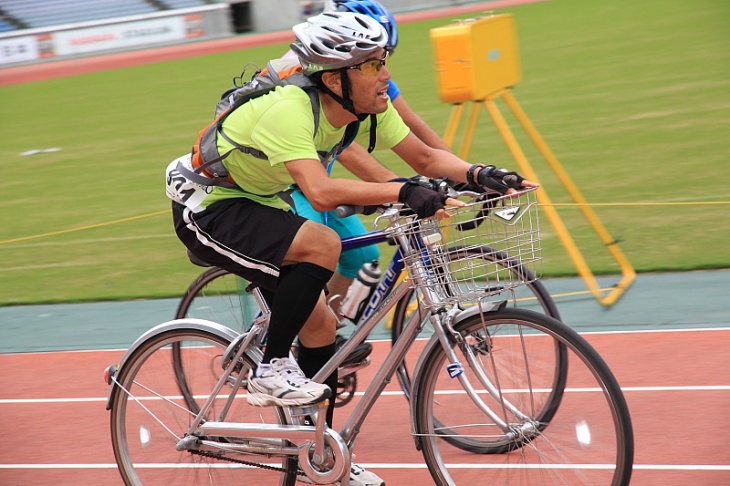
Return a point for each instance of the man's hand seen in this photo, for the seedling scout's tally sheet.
(502, 180)
(425, 202)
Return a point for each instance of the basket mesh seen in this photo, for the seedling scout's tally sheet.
(483, 249)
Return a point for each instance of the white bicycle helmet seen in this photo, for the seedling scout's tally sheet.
(335, 40)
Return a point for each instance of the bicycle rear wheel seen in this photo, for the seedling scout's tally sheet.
(587, 440)
(149, 417)
(219, 296)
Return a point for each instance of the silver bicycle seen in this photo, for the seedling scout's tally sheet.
(499, 393)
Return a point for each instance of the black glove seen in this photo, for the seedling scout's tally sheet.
(499, 180)
(425, 202)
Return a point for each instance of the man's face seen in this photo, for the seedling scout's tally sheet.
(369, 82)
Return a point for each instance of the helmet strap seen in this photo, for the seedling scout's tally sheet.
(347, 104)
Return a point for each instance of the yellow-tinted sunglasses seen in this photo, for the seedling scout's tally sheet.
(371, 67)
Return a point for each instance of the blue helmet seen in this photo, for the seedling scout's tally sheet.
(375, 10)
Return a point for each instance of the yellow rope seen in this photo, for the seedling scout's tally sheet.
(158, 213)
(82, 228)
(618, 204)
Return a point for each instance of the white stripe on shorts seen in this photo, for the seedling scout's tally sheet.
(242, 260)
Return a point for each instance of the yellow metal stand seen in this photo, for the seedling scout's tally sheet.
(627, 270)
(476, 61)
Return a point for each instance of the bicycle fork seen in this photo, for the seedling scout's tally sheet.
(446, 334)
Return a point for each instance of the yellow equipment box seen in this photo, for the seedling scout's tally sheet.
(475, 58)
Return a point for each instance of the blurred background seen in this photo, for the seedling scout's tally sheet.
(632, 97)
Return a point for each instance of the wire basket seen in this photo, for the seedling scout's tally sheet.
(484, 249)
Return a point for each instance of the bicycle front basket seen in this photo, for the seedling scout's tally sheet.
(483, 249)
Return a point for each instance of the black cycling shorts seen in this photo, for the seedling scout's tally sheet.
(239, 235)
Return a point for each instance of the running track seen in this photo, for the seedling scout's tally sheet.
(56, 428)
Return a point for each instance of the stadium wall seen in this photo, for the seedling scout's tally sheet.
(114, 35)
(70, 41)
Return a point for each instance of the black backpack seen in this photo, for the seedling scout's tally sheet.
(207, 162)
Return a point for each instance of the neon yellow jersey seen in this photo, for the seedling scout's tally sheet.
(281, 125)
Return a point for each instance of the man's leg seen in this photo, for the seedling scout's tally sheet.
(307, 267)
(282, 252)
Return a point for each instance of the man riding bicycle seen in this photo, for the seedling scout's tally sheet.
(358, 161)
(252, 232)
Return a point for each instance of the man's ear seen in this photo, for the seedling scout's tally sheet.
(332, 80)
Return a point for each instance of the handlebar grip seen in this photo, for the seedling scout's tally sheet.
(345, 210)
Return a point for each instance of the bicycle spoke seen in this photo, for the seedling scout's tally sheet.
(569, 425)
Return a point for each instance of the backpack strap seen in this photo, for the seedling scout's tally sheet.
(313, 94)
(373, 134)
(196, 176)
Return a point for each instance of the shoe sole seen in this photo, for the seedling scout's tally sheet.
(264, 400)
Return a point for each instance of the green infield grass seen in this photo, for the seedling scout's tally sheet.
(632, 97)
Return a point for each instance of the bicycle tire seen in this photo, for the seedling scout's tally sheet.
(588, 440)
(215, 295)
(148, 419)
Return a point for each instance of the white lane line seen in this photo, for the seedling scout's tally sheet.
(707, 388)
(388, 341)
(642, 467)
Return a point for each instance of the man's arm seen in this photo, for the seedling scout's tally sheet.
(418, 127)
(363, 165)
(326, 194)
(429, 161)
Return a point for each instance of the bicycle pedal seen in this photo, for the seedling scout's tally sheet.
(350, 368)
(305, 410)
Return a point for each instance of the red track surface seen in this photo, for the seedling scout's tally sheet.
(56, 428)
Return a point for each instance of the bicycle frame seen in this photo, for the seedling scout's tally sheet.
(382, 301)
(388, 281)
(385, 286)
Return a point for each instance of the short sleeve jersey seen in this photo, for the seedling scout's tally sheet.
(281, 125)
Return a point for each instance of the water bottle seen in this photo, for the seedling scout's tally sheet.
(360, 289)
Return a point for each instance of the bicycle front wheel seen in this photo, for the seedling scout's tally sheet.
(587, 440)
(149, 417)
(532, 295)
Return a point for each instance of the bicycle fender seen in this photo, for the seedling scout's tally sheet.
(434, 342)
(186, 323)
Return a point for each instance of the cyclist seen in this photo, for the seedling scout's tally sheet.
(252, 232)
(356, 159)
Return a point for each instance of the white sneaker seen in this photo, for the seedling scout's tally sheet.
(284, 385)
(358, 477)
(362, 477)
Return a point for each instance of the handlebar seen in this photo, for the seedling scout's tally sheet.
(439, 185)
(345, 210)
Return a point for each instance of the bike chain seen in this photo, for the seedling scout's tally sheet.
(247, 463)
(239, 461)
